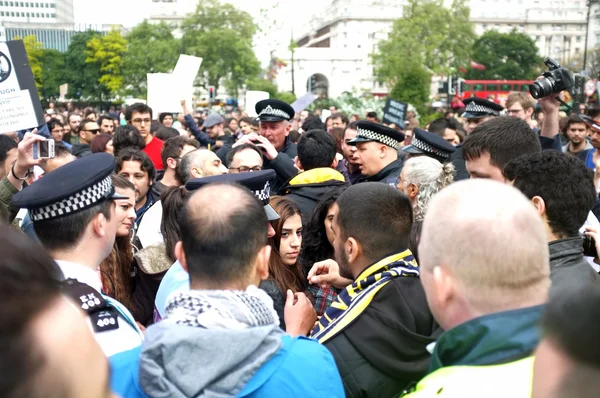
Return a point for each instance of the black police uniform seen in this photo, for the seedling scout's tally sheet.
(429, 144)
(369, 132)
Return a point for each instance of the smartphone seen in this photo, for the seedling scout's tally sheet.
(43, 149)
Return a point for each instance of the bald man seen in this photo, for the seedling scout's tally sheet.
(200, 163)
(485, 270)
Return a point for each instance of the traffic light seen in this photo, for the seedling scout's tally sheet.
(452, 85)
(461, 87)
(211, 93)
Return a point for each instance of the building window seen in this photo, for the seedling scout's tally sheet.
(1, 13)
(12, 14)
(21, 4)
(53, 15)
(28, 15)
(578, 39)
(538, 27)
(12, 4)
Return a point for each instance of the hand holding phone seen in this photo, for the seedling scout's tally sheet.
(43, 149)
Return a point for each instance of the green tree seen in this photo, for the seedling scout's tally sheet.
(35, 51)
(285, 96)
(107, 53)
(222, 35)
(262, 85)
(511, 55)
(53, 66)
(428, 34)
(83, 78)
(151, 48)
(413, 87)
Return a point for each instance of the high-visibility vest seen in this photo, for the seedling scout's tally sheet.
(509, 380)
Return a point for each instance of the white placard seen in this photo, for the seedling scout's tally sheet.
(252, 97)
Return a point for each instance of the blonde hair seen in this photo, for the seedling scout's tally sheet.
(430, 176)
(522, 98)
(492, 241)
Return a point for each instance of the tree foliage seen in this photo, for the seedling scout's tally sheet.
(83, 78)
(222, 35)
(413, 87)
(151, 48)
(511, 55)
(107, 53)
(35, 51)
(53, 66)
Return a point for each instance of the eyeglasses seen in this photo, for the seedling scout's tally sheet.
(93, 131)
(245, 169)
(140, 121)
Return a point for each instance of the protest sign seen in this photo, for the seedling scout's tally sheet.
(166, 90)
(394, 112)
(303, 102)
(20, 107)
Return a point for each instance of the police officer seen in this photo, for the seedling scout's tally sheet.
(477, 111)
(73, 214)
(425, 143)
(377, 150)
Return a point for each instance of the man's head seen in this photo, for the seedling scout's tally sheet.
(274, 121)
(479, 111)
(560, 187)
(140, 116)
(74, 120)
(339, 120)
(374, 221)
(244, 158)
(137, 167)
(62, 156)
(316, 148)
(567, 359)
(223, 246)
(166, 119)
(372, 117)
(576, 130)
(40, 357)
(520, 104)
(376, 147)
(213, 125)
(349, 151)
(8, 154)
(495, 143)
(57, 130)
(248, 125)
(88, 129)
(173, 150)
(200, 163)
(483, 249)
(107, 124)
(127, 136)
(445, 128)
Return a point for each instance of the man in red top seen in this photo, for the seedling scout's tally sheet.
(140, 116)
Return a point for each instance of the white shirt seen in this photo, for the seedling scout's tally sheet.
(127, 336)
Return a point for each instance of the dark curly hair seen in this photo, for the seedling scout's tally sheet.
(315, 246)
(563, 181)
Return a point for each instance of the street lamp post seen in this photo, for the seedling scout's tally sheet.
(587, 27)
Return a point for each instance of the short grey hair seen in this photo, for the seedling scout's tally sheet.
(189, 161)
(430, 176)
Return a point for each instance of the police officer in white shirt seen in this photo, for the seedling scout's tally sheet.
(73, 214)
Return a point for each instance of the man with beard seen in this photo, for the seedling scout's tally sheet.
(576, 131)
(351, 160)
(379, 326)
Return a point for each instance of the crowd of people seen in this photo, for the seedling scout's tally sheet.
(196, 255)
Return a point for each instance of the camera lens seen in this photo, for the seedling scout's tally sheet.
(541, 88)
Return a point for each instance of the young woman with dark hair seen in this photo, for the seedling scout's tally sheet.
(116, 270)
(318, 246)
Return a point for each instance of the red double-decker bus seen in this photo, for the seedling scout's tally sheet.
(498, 89)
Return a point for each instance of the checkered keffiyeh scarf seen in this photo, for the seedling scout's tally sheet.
(226, 309)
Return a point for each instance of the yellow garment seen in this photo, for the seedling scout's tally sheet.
(509, 380)
(316, 176)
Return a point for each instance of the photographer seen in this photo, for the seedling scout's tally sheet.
(562, 190)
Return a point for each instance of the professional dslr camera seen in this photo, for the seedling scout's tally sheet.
(555, 80)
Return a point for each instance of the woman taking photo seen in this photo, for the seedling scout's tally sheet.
(116, 270)
(318, 246)
(284, 270)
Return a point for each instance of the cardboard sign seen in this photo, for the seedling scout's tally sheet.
(394, 112)
(252, 97)
(20, 107)
(303, 102)
(166, 90)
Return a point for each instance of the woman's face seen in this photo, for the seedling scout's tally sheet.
(125, 211)
(331, 213)
(233, 125)
(110, 148)
(291, 240)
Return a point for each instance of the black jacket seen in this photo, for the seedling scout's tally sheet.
(278, 297)
(384, 350)
(307, 188)
(389, 174)
(81, 150)
(568, 268)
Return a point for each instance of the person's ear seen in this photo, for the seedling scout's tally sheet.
(180, 255)
(412, 190)
(171, 163)
(539, 204)
(334, 165)
(99, 225)
(444, 288)
(298, 164)
(353, 249)
(262, 262)
(288, 127)
(196, 172)
(529, 113)
(383, 151)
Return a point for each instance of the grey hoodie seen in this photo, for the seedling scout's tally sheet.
(186, 361)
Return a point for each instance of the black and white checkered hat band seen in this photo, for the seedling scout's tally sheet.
(270, 111)
(425, 147)
(384, 139)
(265, 194)
(81, 200)
(473, 107)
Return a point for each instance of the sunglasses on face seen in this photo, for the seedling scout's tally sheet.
(94, 131)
